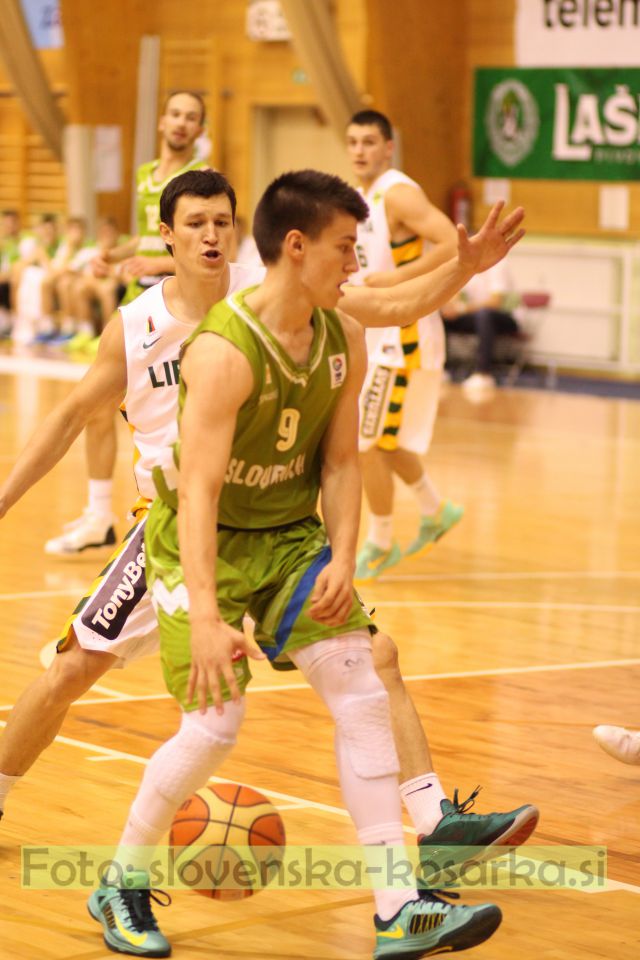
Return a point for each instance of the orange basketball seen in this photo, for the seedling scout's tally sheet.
(227, 841)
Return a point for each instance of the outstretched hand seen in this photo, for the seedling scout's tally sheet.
(493, 240)
(215, 646)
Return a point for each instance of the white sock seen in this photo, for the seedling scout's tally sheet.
(381, 531)
(100, 495)
(388, 902)
(6, 784)
(427, 496)
(68, 325)
(421, 796)
(139, 840)
(45, 324)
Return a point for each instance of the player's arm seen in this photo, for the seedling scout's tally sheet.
(121, 251)
(411, 214)
(103, 386)
(412, 299)
(142, 265)
(341, 490)
(219, 379)
(103, 261)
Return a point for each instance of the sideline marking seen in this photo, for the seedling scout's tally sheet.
(43, 367)
(463, 674)
(291, 801)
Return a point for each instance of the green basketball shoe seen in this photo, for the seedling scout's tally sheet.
(432, 528)
(461, 837)
(126, 917)
(373, 560)
(430, 925)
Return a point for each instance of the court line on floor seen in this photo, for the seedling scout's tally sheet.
(524, 575)
(49, 368)
(291, 801)
(107, 753)
(457, 675)
(409, 578)
(510, 605)
(480, 604)
(38, 594)
(533, 432)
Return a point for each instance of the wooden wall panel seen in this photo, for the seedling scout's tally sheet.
(204, 46)
(102, 50)
(31, 179)
(416, 60)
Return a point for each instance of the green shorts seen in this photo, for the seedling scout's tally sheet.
(269, 574)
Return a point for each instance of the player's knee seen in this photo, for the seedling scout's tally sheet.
(363, 718)
(212, 728)
(363, 722)
(203, 741)
(385, 656)
(74, 671)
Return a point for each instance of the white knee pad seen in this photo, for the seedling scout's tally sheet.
(185, 763)
(341, 671)
(364, 723)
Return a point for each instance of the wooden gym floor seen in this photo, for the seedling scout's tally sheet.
(518, 633)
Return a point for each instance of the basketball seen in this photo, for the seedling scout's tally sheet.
(227, 841)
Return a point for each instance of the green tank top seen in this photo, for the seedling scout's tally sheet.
(273, 476)
(9, 252)
(148, 193)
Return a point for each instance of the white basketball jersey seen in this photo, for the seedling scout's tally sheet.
(375, 253)
(153, 338)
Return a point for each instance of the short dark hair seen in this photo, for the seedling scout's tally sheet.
(194, 183)
(366, 118)
(11, 212)
(305, 200)
(190, 93)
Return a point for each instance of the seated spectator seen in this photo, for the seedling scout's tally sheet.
(98, 284)
(481, 308)
(28, 274)
(71, 256)
(11, 240)
(16, 247)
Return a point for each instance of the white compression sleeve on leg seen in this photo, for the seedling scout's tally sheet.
(181, 765)
(341, 671)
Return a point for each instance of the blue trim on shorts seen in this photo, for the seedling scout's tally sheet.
(297, 602)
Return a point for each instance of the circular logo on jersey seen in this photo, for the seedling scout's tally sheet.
(512, 121)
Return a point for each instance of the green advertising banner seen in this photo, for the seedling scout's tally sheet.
(557, 124)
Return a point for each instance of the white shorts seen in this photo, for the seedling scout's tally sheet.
(398, 408)
(117, 616)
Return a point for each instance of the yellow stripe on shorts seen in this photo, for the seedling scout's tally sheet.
(393, 419)
(405, 252)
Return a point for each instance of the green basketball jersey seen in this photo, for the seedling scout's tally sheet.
(9, 252)
(273, 476)
(148, 193)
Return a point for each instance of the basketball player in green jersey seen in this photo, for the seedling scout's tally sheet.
(124, 372)
(143, 261)
(269, 422)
